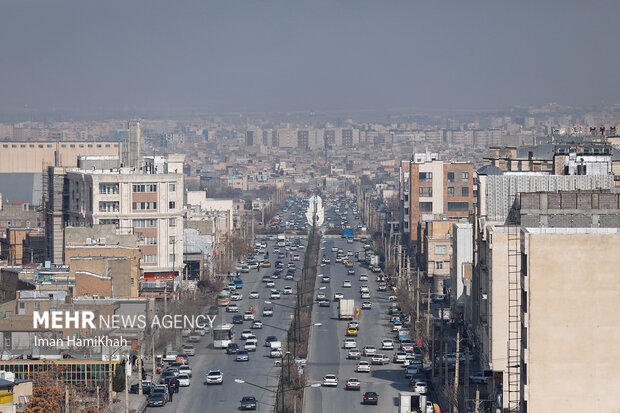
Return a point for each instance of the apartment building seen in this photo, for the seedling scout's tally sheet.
(146, 203)
(433, 189)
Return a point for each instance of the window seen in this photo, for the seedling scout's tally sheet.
(37, 306)
(172, 239)
(150, 259)
(172, 187)
(465, 176)
(425, 176)
(144, 206)
(72, 145)
(439, 265)
(426, 206)
(406, 225)
(406, 197)
(150, 240)
(106, 221)
(144, 223)
(172, 205)
(108, 206)
(31, 146)
(172, 258)
(172, 222)
(108, 188)
(450, 191)
(40, 146)
(464, 191)
(440, 249)
(450, 176)
(132, 281)
(145, 188)
(406, 211)
(426, 191)
(458, 206)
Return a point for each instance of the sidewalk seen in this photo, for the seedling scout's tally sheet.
(137, 403)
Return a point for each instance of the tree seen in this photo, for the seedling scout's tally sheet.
(118, 381)
(47, 399)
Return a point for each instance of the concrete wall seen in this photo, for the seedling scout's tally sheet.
(573, 329)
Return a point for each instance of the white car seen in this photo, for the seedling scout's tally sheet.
(189, 350)
(420, 387)
(215, 377)
(250, 344)
(346, 284)
(338, 296)
(275, 295)
(365, 296)
(349, 343)
(201, 330)
(366, 305)
(248, 316)
(236, 296)
(287, 290)
(397, 326)
(363, 277)
(334, 249)
(392, 298)
(353, 354)
(363, 367)
(400, 357)
(353, 384)
(364, 289)
(257, 324)
(369, 351)
(270, 284)
(330, 380)
(387, 344)
(184, 380)
(185, 370)
(245, 334)
(232, 308)
(379, 359)
(253, 294)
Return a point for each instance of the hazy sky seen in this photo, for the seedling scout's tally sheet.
(242, 55)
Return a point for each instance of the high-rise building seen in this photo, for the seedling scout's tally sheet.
(133, 144)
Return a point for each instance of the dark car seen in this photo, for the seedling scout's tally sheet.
(248, 403)
(156, 400)
(237, 319)
(232, 348)
(370, 397)
(146, 387)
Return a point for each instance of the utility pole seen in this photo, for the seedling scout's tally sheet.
(456, 372)
(140, 363)
(441, 357)
(153, 350)
(126, 386)
(466, 376)
(445, 377)
(66, 399)
(417, 308)
(428, 311)
(477, 405)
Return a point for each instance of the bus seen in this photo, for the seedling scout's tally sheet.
(223, 335)
(223, 298)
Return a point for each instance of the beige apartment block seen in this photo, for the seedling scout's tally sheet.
(146, 204)
(571, 328)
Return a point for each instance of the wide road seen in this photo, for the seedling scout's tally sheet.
(326, 352)
(259, 370)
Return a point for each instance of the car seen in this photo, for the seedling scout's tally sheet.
(380, 359)
(185, 370)
(346, 284)
(184, 380)
(189, 349)
(232, 348)
(382, 287)
(232, 308)
(146, 387)
(157, 400)
(242, 355)
(160, 389)
(353, 354)
(324, 303)
(330, 380)
(287, 290)
(350, 271)
(231, 286)
(248, 403)
(245, 334)
(236, 296)
(406, 345)
(325, 279)
(275, 295)
(397, 326)
(429, 407)
(399, 357)
(370, 397)
(267, 311)
(215, 377)
(338, 296)
(237, 319)
(363, 367)
(289, 276)
(250, 344)
(275, 353)
(349, 343)
(269, 339)
(270, 284)
(387, 344)
(363, 277)
(366, 305)
(351, 332)
(266, 279)
(392, 298)
(420, 387)
(254, 294)
(412, 370)
(369, 351)
(266, 264)
(353, 384)
(365, 295)
(257, 324)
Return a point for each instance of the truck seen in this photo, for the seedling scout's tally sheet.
(374, 260)
(281, 240)
(361, 256)
(346, 309)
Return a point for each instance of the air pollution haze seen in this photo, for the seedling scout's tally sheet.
(105, 58)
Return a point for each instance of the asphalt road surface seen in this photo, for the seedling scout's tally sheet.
(260, 370)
